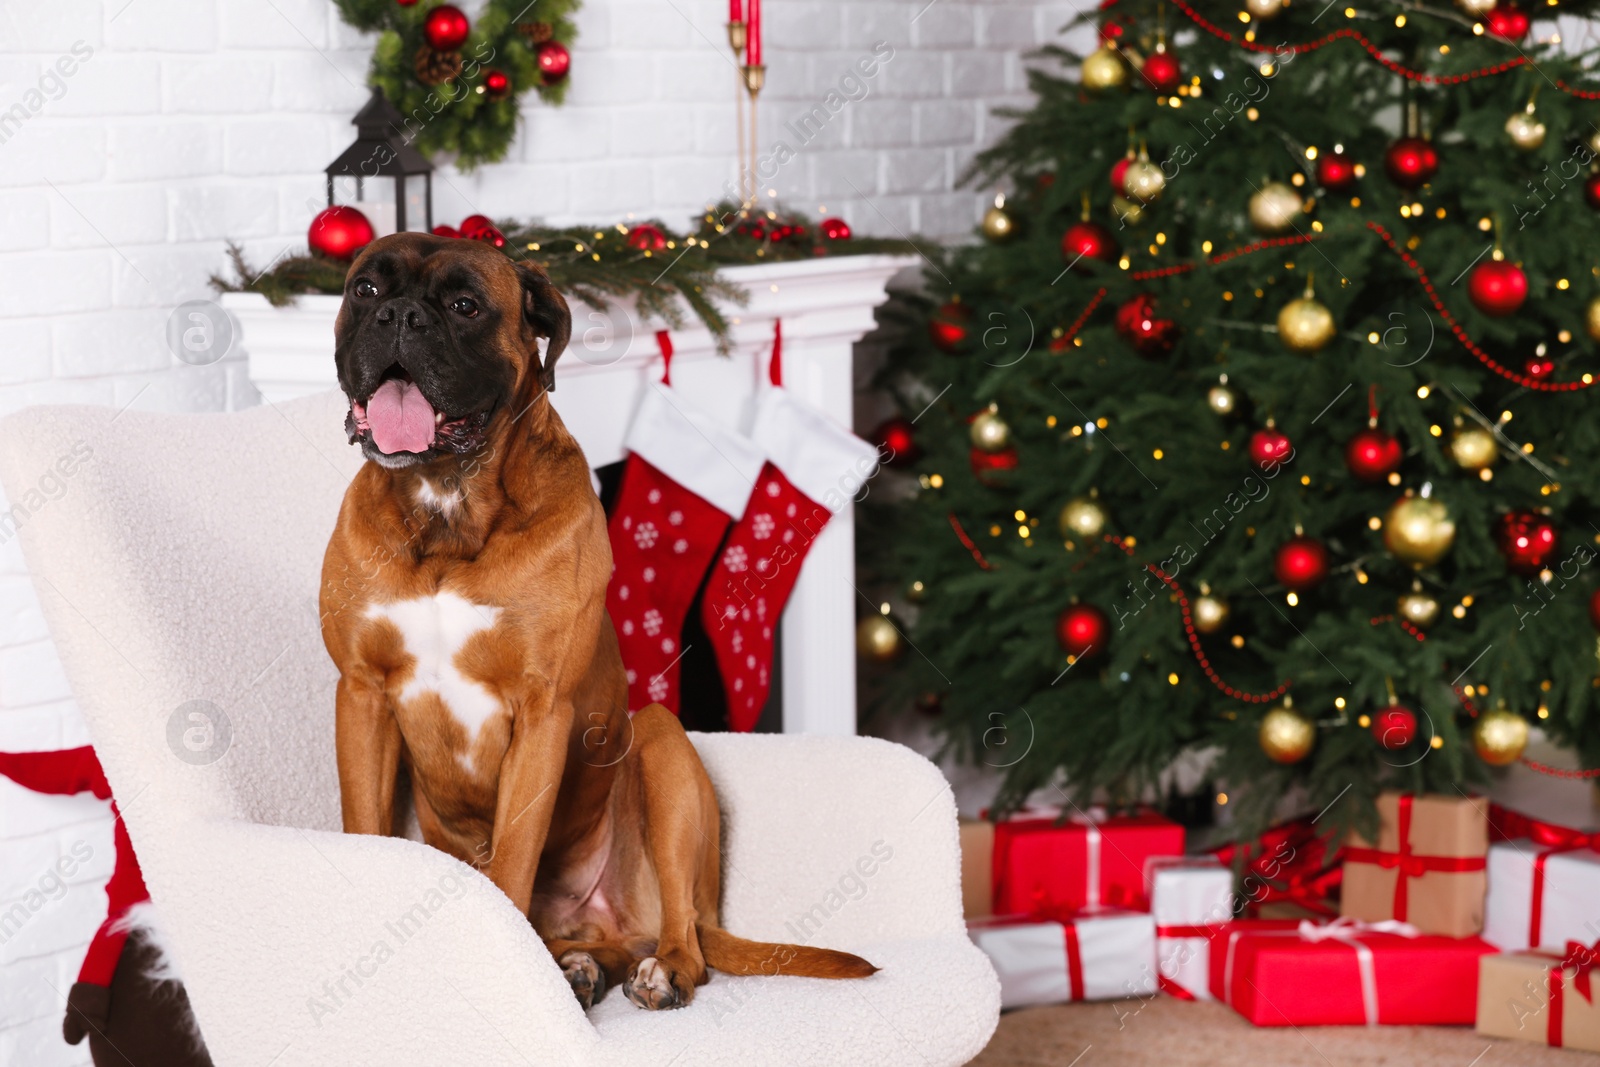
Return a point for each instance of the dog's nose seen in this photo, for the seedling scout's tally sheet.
(401, 311)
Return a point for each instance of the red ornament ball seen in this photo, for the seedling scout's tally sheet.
(1527, 540)
(442, 230)
(1539, 368)
(647, 238)
(446, 28)
(1411, 161)
(1591, 191)
(1394, 727)
(1497, 287)
(1161, 71)
(1594, 609)
(896, 440)
(835, 229)
(554, 61)
(1269, 446)
(1083, 630)
(406, 3)
(984, 464)
(1507, 21)
(1336, 172)
(473, 225)
(1119, 170)
(948, 327)
(1088, 240)
(1150, 335)
(339, 232)
(1301, 563)
(496, 86)
(1373, 455)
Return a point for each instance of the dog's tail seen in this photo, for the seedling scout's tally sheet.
(735, 955)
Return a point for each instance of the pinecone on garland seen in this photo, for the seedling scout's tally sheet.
(537, 33)
(435, 67)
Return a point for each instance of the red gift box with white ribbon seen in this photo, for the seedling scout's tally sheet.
(1044, 865)
(1095, 955)
(1353, 973)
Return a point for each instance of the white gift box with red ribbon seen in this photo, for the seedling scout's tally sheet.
(1095, 955)
(1541, 894)
(1191, 900)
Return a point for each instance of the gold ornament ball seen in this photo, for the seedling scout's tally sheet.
(1418, 531)
(1263, 9)
(1287, 736)
(1143, 181)
(1082, 518)
(1476, 8)
(1210, 614)
(990, 432)
(1474, 448)
(1305, 325)
(1419, 609)
(1104, 69)
(1127, 210)
(877, 639)
(1591, 316)
(1525, 130)
(1499, 737)
(997, 223)
(1274, 207)
(1221, 400)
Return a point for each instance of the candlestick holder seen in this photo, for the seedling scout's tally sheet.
(736, 37)
(755, 77)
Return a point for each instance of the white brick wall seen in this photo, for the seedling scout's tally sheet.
(193, 122)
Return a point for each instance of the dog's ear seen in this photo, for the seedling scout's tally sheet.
(544, 309)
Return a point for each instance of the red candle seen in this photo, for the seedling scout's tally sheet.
(735, 11)
(752, 35)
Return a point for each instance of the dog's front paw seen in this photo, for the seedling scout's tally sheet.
(584, 975)
(654, 986)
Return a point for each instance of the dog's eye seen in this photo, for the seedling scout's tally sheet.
(366, 288)
(465, 306)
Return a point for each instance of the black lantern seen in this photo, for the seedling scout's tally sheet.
(381, 151)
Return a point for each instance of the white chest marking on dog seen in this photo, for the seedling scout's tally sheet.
(434, 629)
(429, 497)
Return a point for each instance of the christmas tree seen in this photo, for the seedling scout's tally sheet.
(1258, 425)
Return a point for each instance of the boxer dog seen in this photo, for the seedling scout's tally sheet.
(463, 601)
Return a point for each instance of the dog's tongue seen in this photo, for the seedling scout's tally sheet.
(401, 418)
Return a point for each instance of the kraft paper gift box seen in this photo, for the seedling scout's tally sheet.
(1427, 867)
(1349, 973)
(1191, 901)
(1548, 997)
(1087, 861)
(1100, 955)
(1543, 891)
(977, 868)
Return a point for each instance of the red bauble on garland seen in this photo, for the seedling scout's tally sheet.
(647, 238)
(1539, 368)
(835, 229)
(1411, 161)
(1591, 191)
(1161, 71)
(442, 230)
(446, 28)
(1083, 630)
(985, 464)
(1497, 287)
(1119, 171)
(1336, 172)
(496, 86)
(1301, 563)
(554, 61)
(1088, 240)
(339, 232)
(896, 440)
(1150, 335)
(1373, 455)
(1527, 540)
(1594, 609)
(1394, 727)
(1269, 446)
(473, 225)
(1508, 22)
(948, 327)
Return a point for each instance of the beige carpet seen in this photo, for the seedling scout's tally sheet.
(1164, 1032)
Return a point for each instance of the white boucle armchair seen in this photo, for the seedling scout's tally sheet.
(177, 560)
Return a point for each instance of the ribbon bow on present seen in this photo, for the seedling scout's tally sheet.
(1575, 966)
(1344, 929)
(1410, 864)
(1552, 840)
(1581, 959)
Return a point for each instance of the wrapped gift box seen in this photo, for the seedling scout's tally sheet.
(1087, 861)
(1101, 955)
(1191, 901)
(1222, 950)
(1545, 997)
(1427, 867)
(977, 868)
(1542, 894)
(1348, 973)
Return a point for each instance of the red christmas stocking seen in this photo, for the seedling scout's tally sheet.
(685, 479)
(814, 467)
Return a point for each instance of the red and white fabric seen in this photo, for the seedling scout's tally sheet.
(1095, 955)
(813, 468)
(1191, 900)
(685, 479)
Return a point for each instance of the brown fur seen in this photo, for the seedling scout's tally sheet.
(602, 828)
